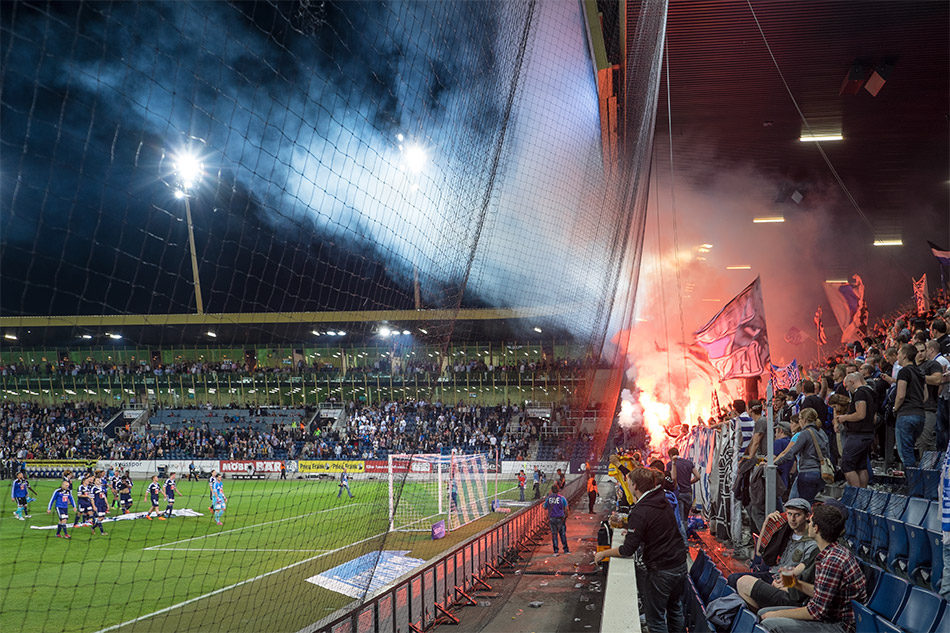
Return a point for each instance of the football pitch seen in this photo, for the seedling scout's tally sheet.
(188, 574)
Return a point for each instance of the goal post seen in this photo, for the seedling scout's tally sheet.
(427, 488)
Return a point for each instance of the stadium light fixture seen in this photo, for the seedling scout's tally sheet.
(772, 219)
(888, 242)
(114, 337)
(385, 331)
(836, 281)
(707, 246)
(331, 333)
(406, 332)
(189, 169)
(816, 138)
(86, 336)
(742, 267)
(415, 157)
(211, 334)
(315, 333)
(341, 333)
(10, 337)
(538, 330)
(423, 330)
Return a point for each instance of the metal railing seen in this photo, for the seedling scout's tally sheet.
(417, 600)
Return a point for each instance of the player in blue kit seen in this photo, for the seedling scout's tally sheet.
(101, 504)
(20, 495)
(152, 492)
(218, 500)
(62, 499)
(125, 493)
(85, 511)
(170, 488)
(113, 483)
(344, 483)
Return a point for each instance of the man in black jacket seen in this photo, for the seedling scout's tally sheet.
(652, 524)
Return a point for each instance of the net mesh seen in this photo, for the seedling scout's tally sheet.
(325, 156)
(428, 489)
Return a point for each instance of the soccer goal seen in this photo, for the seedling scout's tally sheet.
(427, 488)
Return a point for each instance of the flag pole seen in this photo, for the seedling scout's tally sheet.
(770, 453)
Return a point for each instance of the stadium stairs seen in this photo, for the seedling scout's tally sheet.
(569, 586)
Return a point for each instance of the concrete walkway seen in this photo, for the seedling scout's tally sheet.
(569, 586)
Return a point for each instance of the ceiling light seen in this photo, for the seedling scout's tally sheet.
(406, 332)
(211, 334)
(836, 281)
(814, 138)
(424, 331)
(115, 336)
(315, 333)
(86, 336)
(341, 333)
(705, 245)
(385, 331)
(10, 337)
(888, 242)
(538, 330)
(775, 219)
(739, 267)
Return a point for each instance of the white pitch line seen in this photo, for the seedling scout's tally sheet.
(237, 584)
(234, 549)
(248, 527)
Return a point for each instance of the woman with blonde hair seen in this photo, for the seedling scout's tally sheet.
(805, 446)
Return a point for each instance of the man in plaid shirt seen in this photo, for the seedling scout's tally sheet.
(838, 581)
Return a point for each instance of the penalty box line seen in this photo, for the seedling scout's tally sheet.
(248, 527)
(238, 584)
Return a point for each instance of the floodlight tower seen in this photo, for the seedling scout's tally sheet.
(189, 171)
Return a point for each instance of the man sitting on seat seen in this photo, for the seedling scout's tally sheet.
(838, 581)
(796, 548)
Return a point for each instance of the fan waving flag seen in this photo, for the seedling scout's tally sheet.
(943, 256)
(736, 339)
(820, 326)
(921, 294)
(851, 312)
(785, 377)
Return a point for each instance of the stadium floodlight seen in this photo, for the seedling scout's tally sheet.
(10, 337)
(86, 336)
(341, 333)
(771, 219)
(315, 332)
(423, 330)
(114, 337)
(331, 333)
(211, 334)
(406, 332)
(538, 330)
(415, 157)
(888, 242)
(385, 331)
(740, 267)
(189, 169)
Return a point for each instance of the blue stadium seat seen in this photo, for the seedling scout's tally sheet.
(864, 618)
(896, 505)
(744, 622)
(872, 576)
(920, 612)
(861, 500)
(699, 565)
(915, 476)
(936, 561)
(707, 582)
(884, 626)
(847, 497)
(931, 478)
(943, 624)
(897, 535)
(721, 589)
(695, 614)
(918, 543)
(889, 596)
(759, 629)
(862, 523)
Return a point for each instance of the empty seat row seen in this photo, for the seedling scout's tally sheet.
(895, 605)
(902, 534)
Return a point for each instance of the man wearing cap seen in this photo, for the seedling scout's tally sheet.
(799, 549)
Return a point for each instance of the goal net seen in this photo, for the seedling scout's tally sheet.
(426, 489)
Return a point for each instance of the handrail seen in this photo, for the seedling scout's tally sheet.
(416, 598)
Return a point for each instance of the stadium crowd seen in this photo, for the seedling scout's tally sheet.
(75, 431)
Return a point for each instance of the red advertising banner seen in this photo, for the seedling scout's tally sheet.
(244, 466)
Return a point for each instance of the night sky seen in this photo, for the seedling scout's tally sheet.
(303, 114)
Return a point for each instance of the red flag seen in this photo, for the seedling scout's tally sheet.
(821, 338)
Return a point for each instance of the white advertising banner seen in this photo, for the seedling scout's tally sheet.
(548, 468)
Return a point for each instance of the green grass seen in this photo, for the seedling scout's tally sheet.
(93, 582)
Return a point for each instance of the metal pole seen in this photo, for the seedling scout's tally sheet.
(770, 454)
(194, 257)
